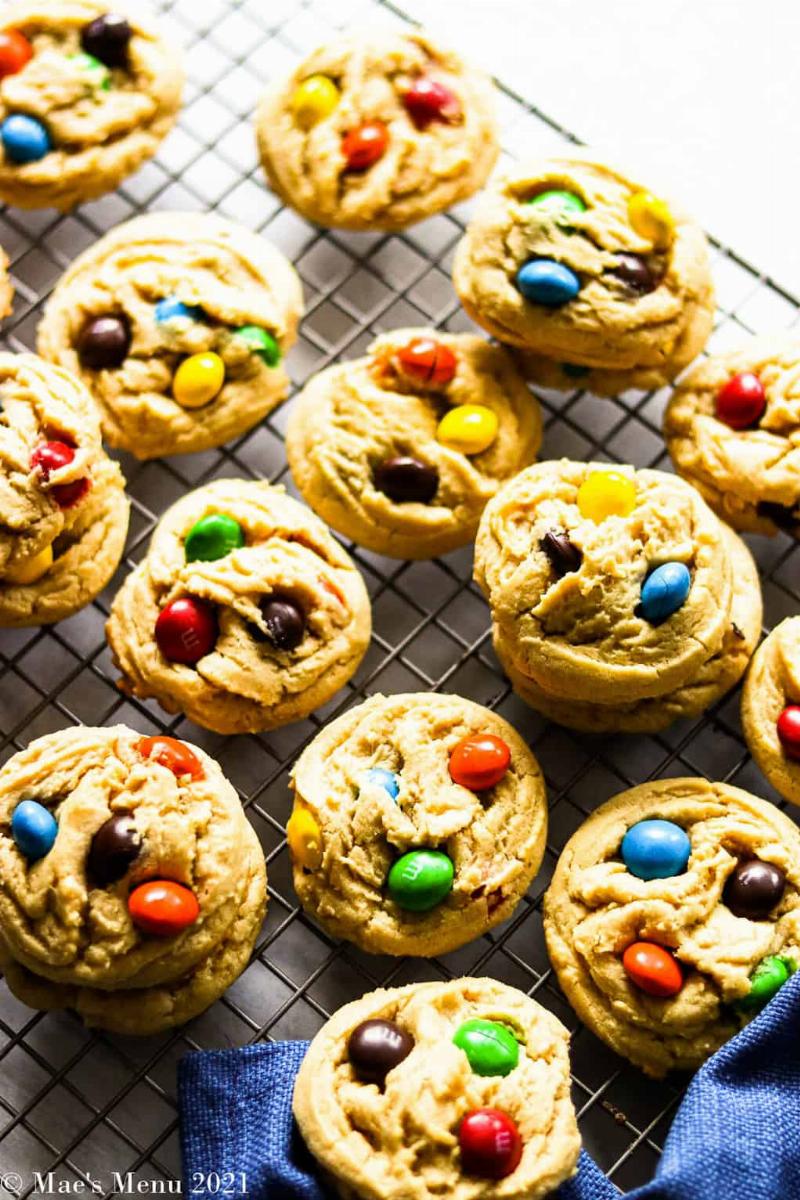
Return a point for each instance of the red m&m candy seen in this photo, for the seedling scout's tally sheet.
(52, 456)
(15, 52)
(163, 908)
(653, 969)
(171, 753)
(364, 145)
(479, 761)
(186, 630)
(428, 360)
(428, 100)
(490, 1143)
(789, 731)
(741, 401)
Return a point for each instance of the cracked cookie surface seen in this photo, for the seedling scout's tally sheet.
(595, 908)
(494, 837)
(772, 684)
(63, 529)
(354, 416)
(422, 170)
(402, 1140)
(228, 278)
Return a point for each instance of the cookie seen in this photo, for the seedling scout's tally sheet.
(771, 708)
(378, 132)
(6, 287)
(178, 324)
(716, 676)
(419, 822)
(132, 886)
(673, 917)
(596, 281)
(401, 450)
(245, 613)
(397, 1088)
(732, 428)
(63, 503)
(86, 96)
(605, 583)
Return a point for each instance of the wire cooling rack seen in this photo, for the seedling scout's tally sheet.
(94, 1108)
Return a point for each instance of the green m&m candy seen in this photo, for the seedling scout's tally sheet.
(213, 537)
(260, 342)
(557, 204)
(97, 73)
(766, 981)
(420, 880)
(490, 1047)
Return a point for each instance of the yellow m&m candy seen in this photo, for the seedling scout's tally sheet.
(31, 569)
(314, 99)
(305, 838)
(651, 218)
(606, 494)
(198, 379)
(469, 428)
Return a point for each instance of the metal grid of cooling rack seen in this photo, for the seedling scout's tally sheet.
(85, 1105)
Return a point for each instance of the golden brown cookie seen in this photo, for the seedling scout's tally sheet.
(395, 1085)
(771, 708)
(596, 281)
(91, 95)
(178, 324)
(401, 450)
(378, 131)
(63, 503)
(668, 937)
(245, 613)
(419, 823)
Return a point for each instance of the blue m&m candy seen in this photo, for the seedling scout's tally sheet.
(656, 849)
(380, 777)
(24, 138)
(665, 591)
(548, 282)
(34, 829)
(171, 307)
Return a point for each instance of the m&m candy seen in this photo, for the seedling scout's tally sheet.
(30, 569)
(563, 554)
(490, 1143)
(664, 591)
(406, 480)
(490, 1047)
(557, 204)
(198, 380)
(547, 282)
(114, 849)
(753, 888)
(605, 494)
(365, 145)
(285, 622)
(740, 402)
(468, 428)
(213, 537)
(15, 52)
(653, 969)
(173, 309)
(104, 342)
(96, 72)
(656, 849)
(186, 630)
(380, 777)
(24, 138)
(427, 360)
(34, 829)
(428, 100)
(376, 1047)
(176, 756)
(304, 835)
(314, 99)
(107, 37)
(633, 271)
(260, 342)
(163, 908)
(420, 880)
(52, 456)
(788, 727)
(479, 761)
(651, 218)
(766, 981)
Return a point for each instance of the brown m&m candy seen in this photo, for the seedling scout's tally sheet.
(563, 554)
(753, 888)
(633, 271)
(106, 38)
(285, 622)
(376, 1047)
(104, 342)
(406, 480)
(115, 846)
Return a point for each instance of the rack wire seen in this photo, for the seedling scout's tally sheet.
(94, 1108)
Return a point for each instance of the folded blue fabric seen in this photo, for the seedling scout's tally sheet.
(736, 1134)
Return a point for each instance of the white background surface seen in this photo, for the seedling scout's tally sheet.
(702, 97)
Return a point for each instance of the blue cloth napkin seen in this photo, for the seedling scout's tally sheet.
(735, 1136)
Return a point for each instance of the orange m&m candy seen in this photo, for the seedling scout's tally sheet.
(163, 908)
(428, 360)
(15, 52)
(171, 753)
(363, 146)
(479, 761)
(653, 969)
